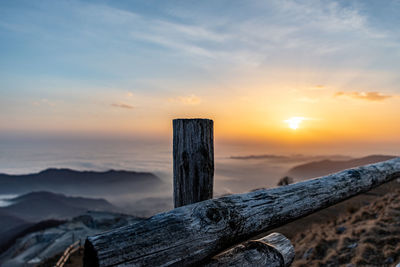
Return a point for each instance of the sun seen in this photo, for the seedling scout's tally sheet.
(294, 122)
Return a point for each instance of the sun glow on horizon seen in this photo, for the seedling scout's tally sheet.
(294, 122)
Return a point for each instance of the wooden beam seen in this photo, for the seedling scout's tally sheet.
(193, 153)
(194, 233)
(273, 250)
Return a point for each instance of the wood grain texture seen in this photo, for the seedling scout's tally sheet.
(193, 156)
(273, 250)
(194, 233)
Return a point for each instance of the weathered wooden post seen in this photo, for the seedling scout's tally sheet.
(193, 152)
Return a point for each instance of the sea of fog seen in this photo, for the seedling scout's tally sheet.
(232, 175)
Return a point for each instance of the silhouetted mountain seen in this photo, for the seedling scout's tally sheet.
(78, 182)
(290, 158)
(38, 206)
(325, 167)
(10, 226)
(9, 221)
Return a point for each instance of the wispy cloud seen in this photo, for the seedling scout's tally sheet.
(186, 100)
(44, 102)
(307, 99)
(122, 105)
(289, 25)
(285, 30)
(369, 96)
(317, 87)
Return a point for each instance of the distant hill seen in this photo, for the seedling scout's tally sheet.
(9, 221)
(78, 182)
(38, 206)
(325, 167)
(290, 158)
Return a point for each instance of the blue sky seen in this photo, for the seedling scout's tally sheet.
(104, 65)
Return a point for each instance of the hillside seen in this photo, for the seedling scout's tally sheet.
(368, 236)
(323, 167)
(39, 206)
(39, 210)
(78, 182)
(48, 239)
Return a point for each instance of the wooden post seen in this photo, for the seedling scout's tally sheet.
(273, 250)
(193, 152)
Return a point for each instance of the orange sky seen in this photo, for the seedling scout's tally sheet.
(130, 73)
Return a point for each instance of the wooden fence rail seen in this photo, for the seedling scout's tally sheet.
(273, 250)
(67, 253)
(194, 233)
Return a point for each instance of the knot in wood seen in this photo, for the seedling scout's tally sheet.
(213, 214)
(217, 216)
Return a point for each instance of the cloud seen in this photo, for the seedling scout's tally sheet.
(44, 102)
(288, 25)
(369, 96)
(307, 99)
(289, 28)
(317, 87)
(122, 105)
(186, 100)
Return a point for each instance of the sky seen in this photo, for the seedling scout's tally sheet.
(127, 68)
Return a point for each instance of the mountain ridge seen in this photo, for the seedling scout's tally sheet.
(43, 205)
(77, 182)
(323, 167)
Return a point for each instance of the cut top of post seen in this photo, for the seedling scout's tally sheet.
(193, 156)
(193, 120)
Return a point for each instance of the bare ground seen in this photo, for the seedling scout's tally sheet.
(361, 231)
